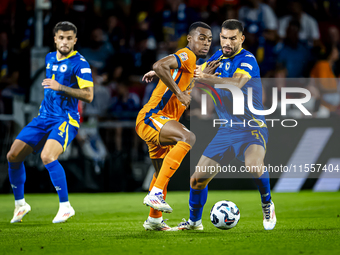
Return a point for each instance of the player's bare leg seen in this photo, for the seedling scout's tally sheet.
(17, 176)
(254, 161)
(19, 151)
(49, 157)
(172, 133)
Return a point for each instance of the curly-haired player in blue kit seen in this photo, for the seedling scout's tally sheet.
(68, 79)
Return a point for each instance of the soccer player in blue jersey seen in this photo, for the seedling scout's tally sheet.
(68, 79)
(238, 67)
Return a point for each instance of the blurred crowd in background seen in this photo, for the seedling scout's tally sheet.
(121, 39)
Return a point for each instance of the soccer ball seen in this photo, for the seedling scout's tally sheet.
(224, 215)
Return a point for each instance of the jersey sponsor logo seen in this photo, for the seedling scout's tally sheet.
(85, 70)
(164, 118)
(183, 56)
(54, 68)
(249, 55)
(247, 65)
(227, 66)
(48, 66)
(63, 68)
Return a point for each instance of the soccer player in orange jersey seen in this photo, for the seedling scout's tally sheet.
(157, 123)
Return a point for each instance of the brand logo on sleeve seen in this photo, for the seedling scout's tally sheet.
(85, 70)
(247, 65)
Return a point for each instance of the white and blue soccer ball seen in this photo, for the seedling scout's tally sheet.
(224, 215)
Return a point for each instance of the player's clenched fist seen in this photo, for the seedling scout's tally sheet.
(51, 84)
(184, 98)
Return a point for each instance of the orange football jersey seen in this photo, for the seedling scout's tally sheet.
(163, 101)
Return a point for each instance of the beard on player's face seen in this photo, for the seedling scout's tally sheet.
(64, 50)
(228, 51)
(202, 56)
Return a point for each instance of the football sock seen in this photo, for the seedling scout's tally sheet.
(17, 178)
(155, 220)
(171, 163)
(155, 191)
(20, 202)
(65, 204)
(263, 185)
(197, 200)
(58, 178)
(155, 213)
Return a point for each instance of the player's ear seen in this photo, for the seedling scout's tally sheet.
(75, 40)
(189, 37)
(243, 38)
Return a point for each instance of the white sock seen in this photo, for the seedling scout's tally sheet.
(20, 202)
(155, 220)
(155, 190)
(194, 223)
(65, 204)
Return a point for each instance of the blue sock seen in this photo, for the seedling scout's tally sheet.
(17, 178)
(198, 198)
(58, 178)
(263, 186)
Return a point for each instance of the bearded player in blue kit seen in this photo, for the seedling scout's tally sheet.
(237, 67)
(68, 79)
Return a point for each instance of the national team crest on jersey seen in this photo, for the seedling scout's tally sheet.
(183, 56)
(227, 66)
(63, 68)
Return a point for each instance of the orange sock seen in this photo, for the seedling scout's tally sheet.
(171, 163)
(155, 213)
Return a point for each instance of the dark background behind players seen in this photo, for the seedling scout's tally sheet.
(122, 39)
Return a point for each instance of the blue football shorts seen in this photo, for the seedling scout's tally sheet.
(41, 129)
(230, 143)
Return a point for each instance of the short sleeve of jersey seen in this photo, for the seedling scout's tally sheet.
(48, 66)
(247, 65)
(83, 73)
(216, 56)
(186, 60)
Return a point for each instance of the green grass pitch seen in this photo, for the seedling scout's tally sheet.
(308, 223)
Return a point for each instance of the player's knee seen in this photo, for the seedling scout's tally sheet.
(190, 138)
(254, 165)
(12, 156)
(47, 158)
(196, 183)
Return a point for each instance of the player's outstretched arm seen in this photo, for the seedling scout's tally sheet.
(84, 94)
(238, 80)
(162, 69)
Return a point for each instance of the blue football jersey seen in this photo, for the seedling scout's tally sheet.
(241, 62)
(73, 71)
